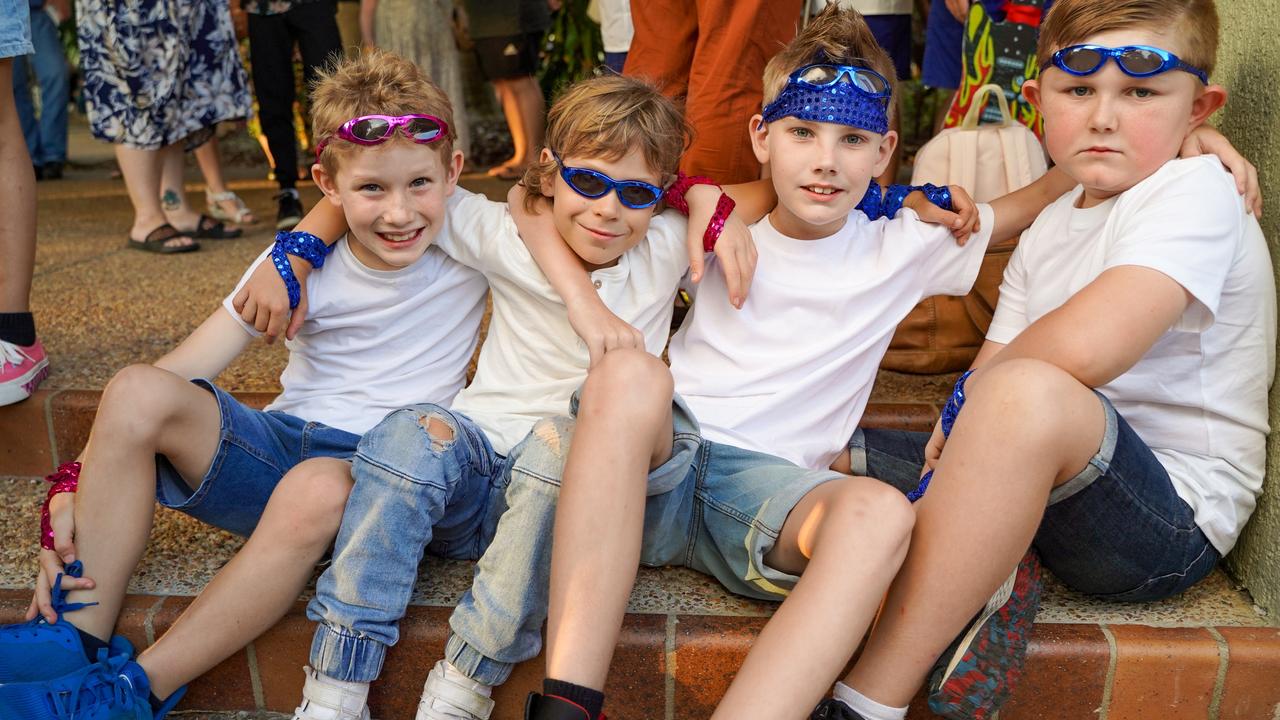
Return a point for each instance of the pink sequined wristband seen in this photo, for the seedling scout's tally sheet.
(65, 479)
(724, 206)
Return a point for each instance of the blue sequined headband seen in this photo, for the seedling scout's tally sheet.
(838, 101)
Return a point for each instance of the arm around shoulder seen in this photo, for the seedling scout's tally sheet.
(209, 349)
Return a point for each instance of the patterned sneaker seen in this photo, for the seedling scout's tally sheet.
(38, 650)
(324, 698)
(832, 709)
(22, 367)
(975, 675)
(450, 695)
(114, 688)
(552, 707)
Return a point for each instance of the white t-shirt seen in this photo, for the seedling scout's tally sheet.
(868, 7)
(1198, 398)
(790, 373)
(532, 361)
(376, 340)
(616, 28)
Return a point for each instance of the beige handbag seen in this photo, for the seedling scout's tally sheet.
(943, 333)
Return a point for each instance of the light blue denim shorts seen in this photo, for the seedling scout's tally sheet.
(255, 450)
(719, 509)
(15, 28)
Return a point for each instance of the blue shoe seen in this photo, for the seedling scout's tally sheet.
(114, 688)
(39, 650)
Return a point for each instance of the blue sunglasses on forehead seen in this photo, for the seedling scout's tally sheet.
(1138, 61)
(635, 194)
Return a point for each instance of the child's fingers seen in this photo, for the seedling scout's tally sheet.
(696, 261)
(296, 318)
(747, 271)
(32, 609)
(239, 300)
(278, 323)
(248, 310)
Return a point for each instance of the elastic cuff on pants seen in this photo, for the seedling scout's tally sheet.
(347, 657)
(474, 664)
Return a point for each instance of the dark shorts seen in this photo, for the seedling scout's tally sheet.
(893, 32)
(1117, 530)
(255, 450)
(941, 48)
(511, 56)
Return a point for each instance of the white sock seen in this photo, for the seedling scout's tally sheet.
(865, 706)
(455, 675)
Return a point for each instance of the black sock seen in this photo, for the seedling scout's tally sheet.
(91, 645)
(18, 328)
(155, 703)
(591, 700)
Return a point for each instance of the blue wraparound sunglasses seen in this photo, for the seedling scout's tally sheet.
(1138, 61)
(634, 194)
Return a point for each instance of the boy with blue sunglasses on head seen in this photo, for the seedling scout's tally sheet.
(1116, 417)
(165, 435)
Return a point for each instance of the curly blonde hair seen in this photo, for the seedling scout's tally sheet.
(374, 82)
(609, 117)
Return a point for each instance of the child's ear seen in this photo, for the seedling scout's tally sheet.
(327, 183)
(546, 188)
(759, 131)
(887, 143)
(454, 171)
(1209, 101)
(1031, 91)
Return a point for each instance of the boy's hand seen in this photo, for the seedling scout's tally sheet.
(933, 449)
(601, 330)
(263, 302)
(735, 248)
(962, 218)
(1206, 140)
(52, 562)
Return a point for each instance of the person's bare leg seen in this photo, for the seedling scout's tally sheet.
(211, 165)
(144, 411)
(261, 582)
(173, 189)
(510, 103)
(848, 538)
(1026, 426)
(17, 204)
(624, 428)
(533, 111)
(141, 171)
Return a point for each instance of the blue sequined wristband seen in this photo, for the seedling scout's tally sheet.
(304, 245)
(871, 202)
(894, 196)
(949, 413)
(940, 196)
(280, 259)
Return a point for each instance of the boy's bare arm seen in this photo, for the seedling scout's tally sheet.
(1016, 211)
(1106, 327)
(598, 327)
(209, 350)
(263, 301)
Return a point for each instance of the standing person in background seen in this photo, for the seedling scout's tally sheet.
(713, 52)
(154, 91)
(616, 29)
(275, 27)
(422, 32)
(46, 136)
(507, 35)
(22, 361)
(221, 202)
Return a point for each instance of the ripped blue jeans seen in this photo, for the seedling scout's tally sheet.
(426, 479)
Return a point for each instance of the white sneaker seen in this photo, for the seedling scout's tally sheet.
(324, 698)
(450, 695)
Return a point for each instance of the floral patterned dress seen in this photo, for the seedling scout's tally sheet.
(158, 72)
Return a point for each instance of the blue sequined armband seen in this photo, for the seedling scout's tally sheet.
(303, 245)
(949, 413)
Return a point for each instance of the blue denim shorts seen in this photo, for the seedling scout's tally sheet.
(719, 509)
(255, 450)
(15, 28)
(1117, 530)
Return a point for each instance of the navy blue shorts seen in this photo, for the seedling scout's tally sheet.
(255, 450)
(893, 32)
(1117, 530)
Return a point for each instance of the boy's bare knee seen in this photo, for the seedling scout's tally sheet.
(629, 380)
(316, 491)
(865, 509)
(138, 400)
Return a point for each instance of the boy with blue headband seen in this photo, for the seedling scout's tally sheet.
(740, 477)
(1116, 417)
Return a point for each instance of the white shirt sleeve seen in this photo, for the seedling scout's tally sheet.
(668, 242)
(1010, 316)
(1185, 223)
(948, 268)
(472, 230)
